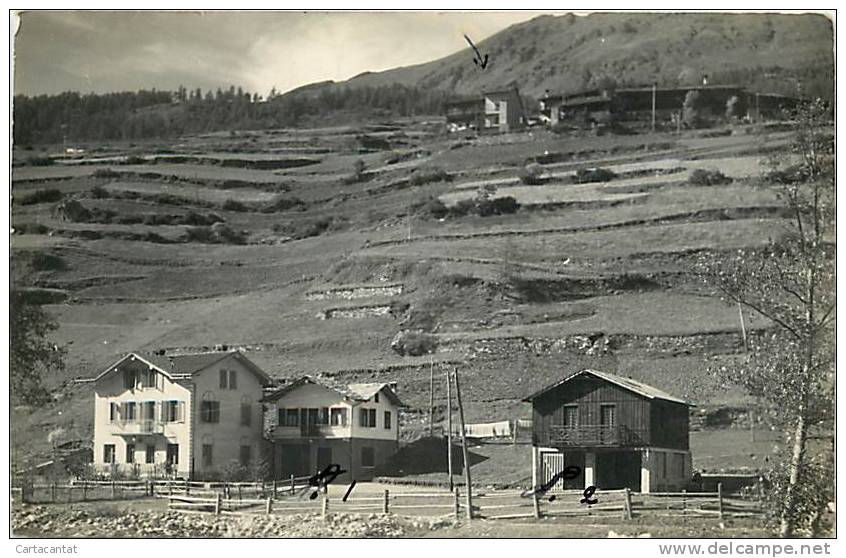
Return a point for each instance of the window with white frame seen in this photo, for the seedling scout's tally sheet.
(338, 416)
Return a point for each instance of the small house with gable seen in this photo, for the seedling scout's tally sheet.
(313, 425)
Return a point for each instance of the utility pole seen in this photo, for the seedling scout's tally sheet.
(464, 451)
(654, 87)
(449, 430)
(431, 397)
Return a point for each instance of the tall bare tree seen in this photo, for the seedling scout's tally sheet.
(791, 282)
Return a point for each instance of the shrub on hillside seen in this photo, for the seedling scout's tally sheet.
(594, 175)
(233, 205)
(373, 142)
(485, 207)
(200, 234)
(305, 228)
(74, 211)
(282, 204)
(98, 192)
(420, 177)
(106, 173)
(31, 228)
(414, 343)
(431, 207)
(37, 161)
(703, 177)
(531, 174)
(227, 235)
(41, 261)
(42, 196)
(497, 206)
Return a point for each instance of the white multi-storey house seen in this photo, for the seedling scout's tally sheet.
(314, 425)
(189, 415)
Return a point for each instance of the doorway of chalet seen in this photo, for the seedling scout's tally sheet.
(618, 469)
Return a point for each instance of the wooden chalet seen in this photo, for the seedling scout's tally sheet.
(620, 432)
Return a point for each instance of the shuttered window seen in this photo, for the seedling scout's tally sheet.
(387, 420)
(246, 414)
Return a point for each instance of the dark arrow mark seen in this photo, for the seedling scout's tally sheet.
(478, 59)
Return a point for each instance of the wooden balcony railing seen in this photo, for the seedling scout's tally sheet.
(594, 435)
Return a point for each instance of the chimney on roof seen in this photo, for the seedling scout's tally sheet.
(393, 386)
(705, 79)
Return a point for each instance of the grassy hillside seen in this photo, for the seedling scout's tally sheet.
(323, 286)
(566, 53)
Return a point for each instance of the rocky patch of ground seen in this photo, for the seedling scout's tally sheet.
(53, 521)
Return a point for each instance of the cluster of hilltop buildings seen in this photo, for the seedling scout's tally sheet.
(194, 416)
(503, 110)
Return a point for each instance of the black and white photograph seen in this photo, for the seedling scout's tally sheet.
(423, 274)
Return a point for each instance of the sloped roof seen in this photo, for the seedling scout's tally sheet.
(634, 386)
(187, 364)
(353, 392)
(363, 392)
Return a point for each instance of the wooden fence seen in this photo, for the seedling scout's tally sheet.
(284, 503)
(622, 504)
(293, 496)
(88, 490)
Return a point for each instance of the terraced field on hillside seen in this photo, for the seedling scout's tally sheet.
(599, 274)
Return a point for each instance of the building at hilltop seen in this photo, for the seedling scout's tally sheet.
(188, 416)
(634, 104)
(619, 432)
(497, 110)
(313, 425)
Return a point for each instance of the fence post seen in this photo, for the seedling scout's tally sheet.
(325, 506)
(217, 504)
(457, 503)
(684, 504)
(720, 498)
(187, 488)
(53, 491)
(292, 484)
(274, 488)
(269, 509)
(84, 490)
(536, 505)
(113, 490)
(385, 502)
(627, 505)
(239, 492)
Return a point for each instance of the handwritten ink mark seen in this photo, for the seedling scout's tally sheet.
(352, 485)
(478, 59)
(322, 479)
(569, 473)
(589, 491)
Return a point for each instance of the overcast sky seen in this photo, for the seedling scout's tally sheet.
(111, 51)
